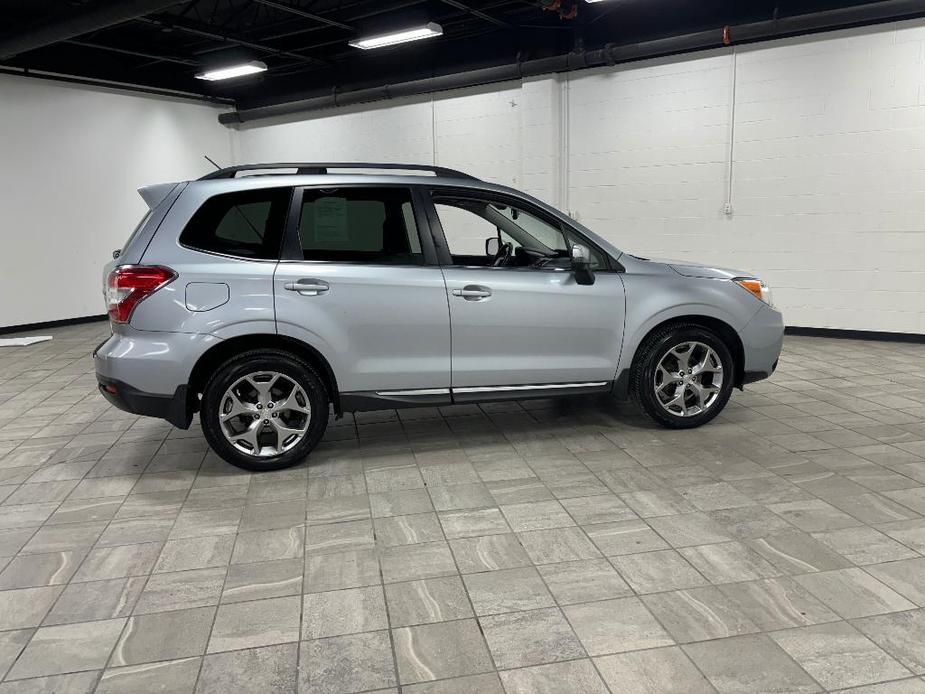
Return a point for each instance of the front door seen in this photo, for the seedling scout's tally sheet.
(361, 288)
(518, 317)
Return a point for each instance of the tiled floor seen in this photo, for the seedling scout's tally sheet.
(543, 547)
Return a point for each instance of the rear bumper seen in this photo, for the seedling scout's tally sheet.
(147, 373)
(174, 408)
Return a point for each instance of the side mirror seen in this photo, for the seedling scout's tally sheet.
(581, 264)
(492, 246)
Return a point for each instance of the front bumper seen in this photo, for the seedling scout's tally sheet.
(762, 340)
(174, 408)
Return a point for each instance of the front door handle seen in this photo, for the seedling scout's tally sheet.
(473, 292)
(308, 287)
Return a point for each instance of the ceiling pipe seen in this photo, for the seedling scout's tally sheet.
(611, 54)
(79, 22)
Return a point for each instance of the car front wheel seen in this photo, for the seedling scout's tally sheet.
(684, 376)
(264, 410)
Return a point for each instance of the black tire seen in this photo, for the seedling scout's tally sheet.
(651, 352)
(256, 361)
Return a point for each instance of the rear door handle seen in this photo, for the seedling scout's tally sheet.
(473, 292)
(308, 287)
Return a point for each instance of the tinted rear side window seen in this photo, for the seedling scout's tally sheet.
(247, 224)
(371, 225)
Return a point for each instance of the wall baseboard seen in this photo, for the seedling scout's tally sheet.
(855, 334)
(31, 327)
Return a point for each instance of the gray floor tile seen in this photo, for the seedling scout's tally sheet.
(509, 590)
(487, 683)
(653, 572)
(163, 636)
(411, 562)
(255, 624)
(408, 530)
(572, 677)
(777, 503)
(583, 581)
(729, 562)
(689, 529)
(905, 577)
(271, 669)
(427, 601)
(83, 602)
(557, 545)
(853, 593)
(342, 570)
(75, 683)
(272, 579)
(169, 676)
(656, 671)
(269, 545)
(615, 626)
(26, 607)
(777, 603)
(11, 645)
(901, 634)
(521, 639)
(797, 552)
(747, 664)
(344, 664)
(440, 651)
(699, 614)
(181, 590)
(489, 553)
(837, 655)
(340, 612)
(34, 570)
(68, 648)
(195, 553)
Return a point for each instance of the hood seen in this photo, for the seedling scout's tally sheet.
(689, 269)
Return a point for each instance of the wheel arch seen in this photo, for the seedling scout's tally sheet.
(721, 328)
(212, 358)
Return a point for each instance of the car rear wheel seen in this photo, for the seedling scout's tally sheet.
(264, 410)
(683, 376)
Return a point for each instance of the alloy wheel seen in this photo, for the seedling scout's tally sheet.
(264, 414)
(688, 379)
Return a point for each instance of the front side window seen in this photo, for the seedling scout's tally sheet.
(246, 224)
(367, 225)
(524, 239)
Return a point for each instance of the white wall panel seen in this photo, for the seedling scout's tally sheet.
(71, 159)
(828, 169)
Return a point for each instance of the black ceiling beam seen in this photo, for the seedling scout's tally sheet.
(476, 13)
(302, 13)
(78, 22)
(138, 54)
(383, 8)
(226, 38)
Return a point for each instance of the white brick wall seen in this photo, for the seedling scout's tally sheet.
(828, 191)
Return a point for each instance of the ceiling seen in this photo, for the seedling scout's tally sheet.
(304, 42)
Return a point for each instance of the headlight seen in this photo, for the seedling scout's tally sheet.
(756, 288)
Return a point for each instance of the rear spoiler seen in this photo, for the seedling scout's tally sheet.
(154, 195)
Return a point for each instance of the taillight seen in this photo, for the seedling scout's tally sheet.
(130, 284)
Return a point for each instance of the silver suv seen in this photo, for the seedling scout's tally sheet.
(263, 296)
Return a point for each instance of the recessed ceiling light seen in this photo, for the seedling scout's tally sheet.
(226, 73)
(415, 34)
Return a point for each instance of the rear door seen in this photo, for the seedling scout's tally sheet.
(524, 324)
(359, 282)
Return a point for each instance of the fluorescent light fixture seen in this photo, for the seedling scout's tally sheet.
(416, 34)
(226, 73)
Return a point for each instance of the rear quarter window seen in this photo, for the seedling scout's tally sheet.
(244, 224)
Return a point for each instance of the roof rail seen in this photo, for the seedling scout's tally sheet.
(322, 168)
